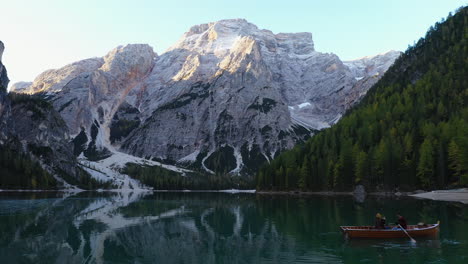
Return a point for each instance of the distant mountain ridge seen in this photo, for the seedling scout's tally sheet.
(226, 90)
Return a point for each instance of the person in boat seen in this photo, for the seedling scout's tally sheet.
(378, 222)
(401, 221)
(384, 223)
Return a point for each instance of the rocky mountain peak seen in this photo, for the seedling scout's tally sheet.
(227, 26)
(224, 35)
(129, 59)
(53, 80)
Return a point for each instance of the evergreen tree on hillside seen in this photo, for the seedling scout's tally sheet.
(409, 131)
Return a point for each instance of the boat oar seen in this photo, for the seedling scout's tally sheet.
(404, 230)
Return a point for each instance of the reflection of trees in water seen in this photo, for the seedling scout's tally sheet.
(199, 228)
(53, 233)
(40, 235)
(123, 227)
(208, 233)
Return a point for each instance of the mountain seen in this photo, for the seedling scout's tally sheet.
(410, 130)
(20, 87)
(35, 147)
(226, 97)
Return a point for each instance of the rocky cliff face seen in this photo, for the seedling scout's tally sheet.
(3, 74)
(42, 133)
(30, 125)
(226, 97)
(4, 105)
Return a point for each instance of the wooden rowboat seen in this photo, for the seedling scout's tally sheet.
(429, 230)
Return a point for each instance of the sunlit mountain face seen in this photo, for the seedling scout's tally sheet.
(225, 89)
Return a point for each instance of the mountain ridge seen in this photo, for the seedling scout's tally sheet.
(225, 89)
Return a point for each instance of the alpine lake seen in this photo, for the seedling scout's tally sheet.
(191, 227)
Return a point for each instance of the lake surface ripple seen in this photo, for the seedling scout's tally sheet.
(218, 228)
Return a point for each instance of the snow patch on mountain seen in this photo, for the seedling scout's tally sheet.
(109, 169)
(190, 157)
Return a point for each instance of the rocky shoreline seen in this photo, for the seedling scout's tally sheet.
(454, 195)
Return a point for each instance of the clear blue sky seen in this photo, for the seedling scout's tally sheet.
(40, 35)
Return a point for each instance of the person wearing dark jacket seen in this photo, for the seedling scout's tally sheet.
(401, 221)
(383, 222)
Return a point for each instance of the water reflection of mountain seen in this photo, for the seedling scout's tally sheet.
(204, 228)
(132, 228)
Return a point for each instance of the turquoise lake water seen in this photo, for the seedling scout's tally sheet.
(218, 228)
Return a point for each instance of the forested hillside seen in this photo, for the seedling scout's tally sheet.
(410, 131)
